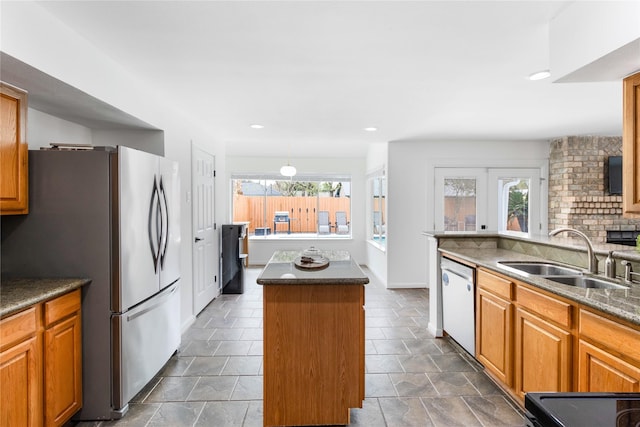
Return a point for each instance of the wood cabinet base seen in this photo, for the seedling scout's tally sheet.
(313, 354)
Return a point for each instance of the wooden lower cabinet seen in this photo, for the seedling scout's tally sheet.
(558, 345)
(493, 340)
(609, 355)
(62, 359)
(542, 355)
(601, 371)
(21, 370)
(41, 364)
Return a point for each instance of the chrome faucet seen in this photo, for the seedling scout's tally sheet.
(593, 260)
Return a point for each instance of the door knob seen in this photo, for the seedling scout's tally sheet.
(198, 239)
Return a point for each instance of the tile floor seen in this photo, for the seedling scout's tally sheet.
(412, 379)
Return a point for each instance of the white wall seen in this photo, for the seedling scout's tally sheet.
(42, 129)
(33, 36)
(260, 250)
(411, 192)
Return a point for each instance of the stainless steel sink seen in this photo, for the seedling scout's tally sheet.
(586, 282)
(541, 268)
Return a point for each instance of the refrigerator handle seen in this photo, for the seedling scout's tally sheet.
(154, 242)
(164, 223)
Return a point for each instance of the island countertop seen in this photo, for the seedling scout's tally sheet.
(18, 294)
(342, 270)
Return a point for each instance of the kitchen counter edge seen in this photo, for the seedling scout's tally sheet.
(19, 294)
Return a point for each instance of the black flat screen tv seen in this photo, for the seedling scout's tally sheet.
(615, 175)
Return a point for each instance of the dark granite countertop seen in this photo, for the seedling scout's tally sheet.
(18, 294)
(622, 303)
(342, 270)
(562, 241)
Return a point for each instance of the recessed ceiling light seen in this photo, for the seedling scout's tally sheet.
(256, 126)
(370, 129)
(540, 75)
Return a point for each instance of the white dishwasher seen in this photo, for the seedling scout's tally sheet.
(458, 301)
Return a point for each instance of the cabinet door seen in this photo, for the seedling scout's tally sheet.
(601, 371)
(493, 334)
(63, 371)
(631, 146)
(21, 385)
(542, 355)
(62, 358)
(14, 187)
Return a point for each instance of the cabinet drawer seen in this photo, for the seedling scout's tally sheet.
(495, 284)
(61, 307)
(548, 307)
(612, 335)
(18, 326)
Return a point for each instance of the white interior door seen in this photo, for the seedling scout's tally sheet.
(205, 243)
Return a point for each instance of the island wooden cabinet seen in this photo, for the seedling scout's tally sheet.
(313, 354)
(41, 364)
(631, 146)
(494, 313)
(14, 176)
(542, 342)
(609, 355)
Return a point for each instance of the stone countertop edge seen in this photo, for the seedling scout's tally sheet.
(19, 294)
(629, 253)
(620, 303)
(342, 270)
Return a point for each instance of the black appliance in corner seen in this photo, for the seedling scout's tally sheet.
(232, 263)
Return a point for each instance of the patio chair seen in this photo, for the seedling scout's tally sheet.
(324, 227)
(342, 225)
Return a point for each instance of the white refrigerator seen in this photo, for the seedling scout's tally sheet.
(111, 215)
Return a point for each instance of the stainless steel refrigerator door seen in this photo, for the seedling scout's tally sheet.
(144, 339)
(170, 191)
(138, 205)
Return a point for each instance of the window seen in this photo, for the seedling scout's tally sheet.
(304, 206)
(378, 228)
(503, 199)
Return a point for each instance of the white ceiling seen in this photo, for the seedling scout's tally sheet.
(316, 73)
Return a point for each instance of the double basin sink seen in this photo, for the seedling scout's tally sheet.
(560, 274)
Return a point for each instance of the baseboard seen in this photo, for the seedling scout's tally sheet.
(407, 286)
(187, 323)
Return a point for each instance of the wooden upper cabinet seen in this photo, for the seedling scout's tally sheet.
(14, 175)
(631, 146)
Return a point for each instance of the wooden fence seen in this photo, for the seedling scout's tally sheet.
(303, 211)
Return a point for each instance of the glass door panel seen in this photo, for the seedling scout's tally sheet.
(460, 199)
(516, 199)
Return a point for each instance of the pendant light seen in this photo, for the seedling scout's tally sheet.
(288, 170)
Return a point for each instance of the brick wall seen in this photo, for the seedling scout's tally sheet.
(578, 194)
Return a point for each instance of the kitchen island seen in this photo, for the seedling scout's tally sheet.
(313, 340)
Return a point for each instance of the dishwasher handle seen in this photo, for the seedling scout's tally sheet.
(457, 274)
